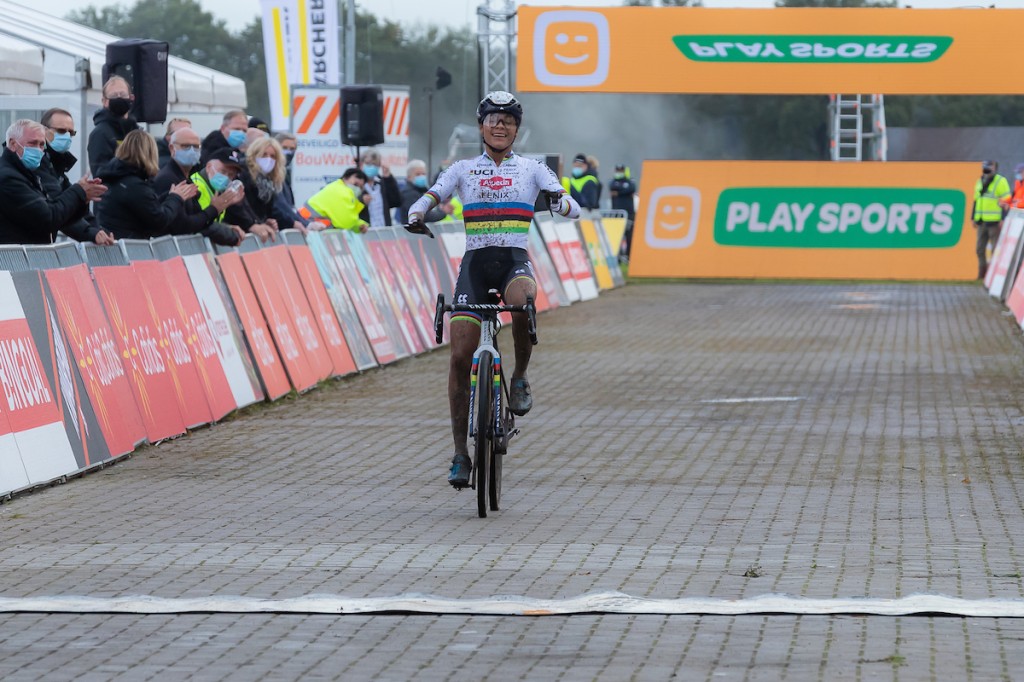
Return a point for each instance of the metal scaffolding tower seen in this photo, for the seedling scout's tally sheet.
(858, 128)
(496, 30)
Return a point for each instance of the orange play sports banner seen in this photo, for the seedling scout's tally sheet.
(805, 219)
(766, 51)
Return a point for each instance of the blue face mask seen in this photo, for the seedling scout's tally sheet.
(236, 138)
(577, 172)
(186, 157)
(31, 157)
(219, 182)
(61, 142)
(420, 181)
(371, 170)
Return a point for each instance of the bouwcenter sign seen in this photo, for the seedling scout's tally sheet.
(804, 220)
(766, 51)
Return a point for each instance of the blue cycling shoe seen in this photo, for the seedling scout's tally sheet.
(520, 399)
(458, 475)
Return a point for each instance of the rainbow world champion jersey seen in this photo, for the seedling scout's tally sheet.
(497, 201)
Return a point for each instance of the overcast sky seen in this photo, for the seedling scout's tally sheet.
(238, 13)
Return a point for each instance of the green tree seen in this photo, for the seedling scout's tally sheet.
(193, 34)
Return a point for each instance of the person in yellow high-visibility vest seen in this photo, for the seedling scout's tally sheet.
(990, 190)
(583, 186)
(338, 205)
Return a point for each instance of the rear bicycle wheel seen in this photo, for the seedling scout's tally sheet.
(494, 477)
(482, 454)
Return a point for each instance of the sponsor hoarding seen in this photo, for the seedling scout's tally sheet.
(765, 51)
(805, 220)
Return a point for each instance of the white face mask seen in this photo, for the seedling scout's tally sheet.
(266, 163)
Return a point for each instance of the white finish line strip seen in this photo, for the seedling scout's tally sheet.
(604, 602)
(767, 399)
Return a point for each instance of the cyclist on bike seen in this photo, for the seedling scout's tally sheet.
(498, 190)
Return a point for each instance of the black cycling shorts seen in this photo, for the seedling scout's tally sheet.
(492, 267)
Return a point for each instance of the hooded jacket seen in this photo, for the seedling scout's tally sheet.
(52, 174)
(108, 132)
(131, 208)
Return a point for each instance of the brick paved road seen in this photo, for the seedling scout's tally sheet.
(887, 462)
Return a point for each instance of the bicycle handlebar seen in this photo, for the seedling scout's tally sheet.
(418, 228)
(440, 309)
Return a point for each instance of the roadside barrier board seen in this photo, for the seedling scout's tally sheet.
(370, 316)
(341, 300)
(323, 313)
(547, 276)
(569, 237)
(224, 329)
(187, 312)
(384, 271)
(596, 254)
(559, 258)
(367, 271)
(1002, 267)
(81, 425)
(260, 341)
(172, 337)
(141, 351)
(421, 307)
(29, 402)
(290, 326)
(805, 219)
(96, 355)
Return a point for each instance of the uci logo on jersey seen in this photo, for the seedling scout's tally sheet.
(496, 183)
(482, 171)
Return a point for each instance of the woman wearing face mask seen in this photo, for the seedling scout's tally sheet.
(131, 208)
(416, 185)
(263, 178)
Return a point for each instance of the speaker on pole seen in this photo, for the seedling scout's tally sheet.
(143, 63)
(362, 115)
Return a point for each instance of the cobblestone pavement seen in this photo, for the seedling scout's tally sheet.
(688, 440)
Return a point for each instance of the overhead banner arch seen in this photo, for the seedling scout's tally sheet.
(794, 51)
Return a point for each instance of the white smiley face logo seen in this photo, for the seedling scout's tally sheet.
(672, 217)
(571, 48)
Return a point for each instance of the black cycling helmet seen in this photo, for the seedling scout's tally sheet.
(500, 102)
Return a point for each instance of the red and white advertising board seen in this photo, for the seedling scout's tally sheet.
(261, 344)
(222, 327)
(559, 258)
(97, 356)
(28, 401)
(323, 313)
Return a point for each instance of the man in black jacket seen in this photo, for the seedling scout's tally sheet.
(53, 173)
(230, 135)
(184, 147)
(27, 214)
(163, 144)
(111, 123)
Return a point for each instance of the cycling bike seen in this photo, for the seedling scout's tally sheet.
(491, 422)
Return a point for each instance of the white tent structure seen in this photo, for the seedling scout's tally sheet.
(50, 62)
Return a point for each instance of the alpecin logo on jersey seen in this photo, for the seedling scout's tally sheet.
(496, 183)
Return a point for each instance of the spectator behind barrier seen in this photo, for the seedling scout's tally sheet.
(132, 209)
(53, 169)
(583, 185)
(286, 199)
(194, 217)
(230, 135)
(338, 205)
(380, 194)
(416, 185)
(623, 189)
(163, 145)
(111, 123)
(263, 178)
(27, 214)
(217, 177)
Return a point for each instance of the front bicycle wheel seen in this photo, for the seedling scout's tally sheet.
(497, 454)
(482, 436)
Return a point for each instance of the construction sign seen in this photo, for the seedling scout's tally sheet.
(796, 51)
(321, 158)
(805, 219)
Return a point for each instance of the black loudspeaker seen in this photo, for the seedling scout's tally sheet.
(143, 63)
(362, 115)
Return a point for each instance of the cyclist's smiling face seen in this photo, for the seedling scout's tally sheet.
(499, 130)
